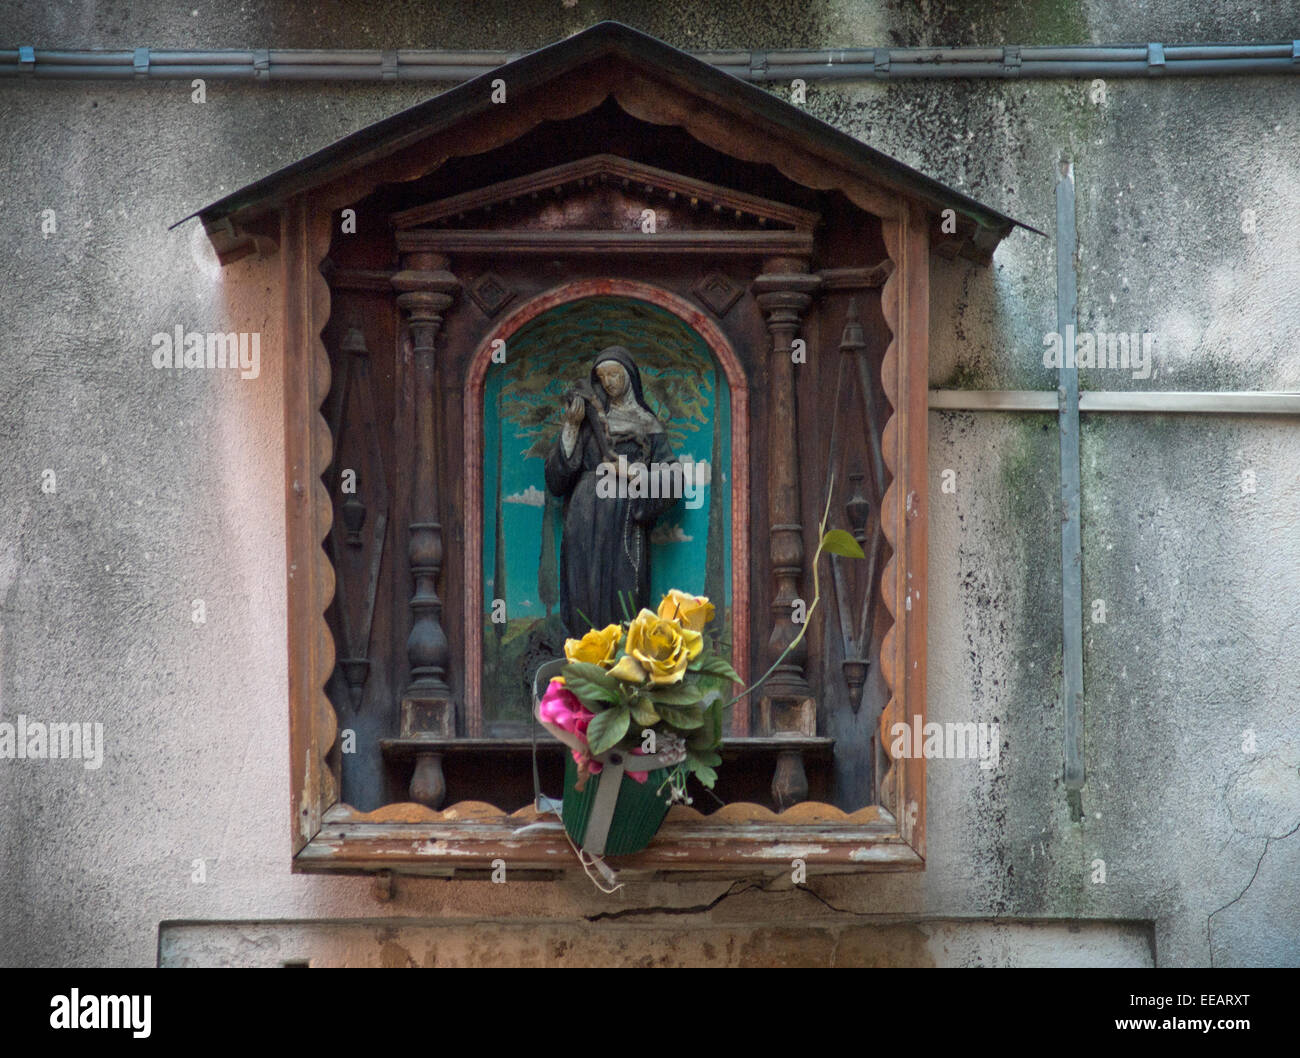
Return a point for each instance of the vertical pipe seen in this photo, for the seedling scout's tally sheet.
(1071, 537)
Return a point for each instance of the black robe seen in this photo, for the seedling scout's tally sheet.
(605, 549)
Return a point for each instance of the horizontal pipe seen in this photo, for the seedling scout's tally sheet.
(486, 59)
(127, 73)
(944, 55)
(1211, 403)
(1085, 53)
(1228, 51)
(1028, 53)
(249, 73)
(1152, 401)
(993, 400)
(101, 58)
(1083, 61)
(1185, 68)
(327, 57)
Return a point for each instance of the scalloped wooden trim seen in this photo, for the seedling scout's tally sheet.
(660, 104)
(469, 136)
(747, 812)
(638, 94)
(308, 516)
(904, 518)
(738, 812)
(326, 720)
(410, 812)
(889, 302)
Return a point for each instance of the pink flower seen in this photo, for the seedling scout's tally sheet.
(561, 707)
(639, 776)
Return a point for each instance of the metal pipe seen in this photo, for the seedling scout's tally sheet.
(1157, 402)
(1026, 70)
(1067, 318)
(1212, 403)
(1083, 53)
(1034, 61)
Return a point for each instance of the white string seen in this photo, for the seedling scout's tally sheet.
(595, 860)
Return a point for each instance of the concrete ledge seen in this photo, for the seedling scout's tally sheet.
(902, 943)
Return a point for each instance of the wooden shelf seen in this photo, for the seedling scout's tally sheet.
(403, 748)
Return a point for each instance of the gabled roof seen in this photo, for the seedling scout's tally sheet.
(609, 47)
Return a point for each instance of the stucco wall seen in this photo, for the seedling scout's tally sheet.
(169, 489)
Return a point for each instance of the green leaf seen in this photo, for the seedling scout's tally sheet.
(715, 714)
(701, 763)
(589, 671)
(716, 666)
(682, 694)
(684, 718)
(838, 542)
(590, 682)
(605, 729)
(702, 740)
(643, 711)
(703, 772)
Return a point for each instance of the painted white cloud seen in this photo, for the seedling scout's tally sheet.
(670, 534)
(530, 497)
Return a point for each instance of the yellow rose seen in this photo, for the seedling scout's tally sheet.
(663, 648)
(598, 648)
(628, 670)
(690, 611)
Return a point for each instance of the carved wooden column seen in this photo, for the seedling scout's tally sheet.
(784, 292)
(426, 290)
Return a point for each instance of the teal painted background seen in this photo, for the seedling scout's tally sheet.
(690, 549)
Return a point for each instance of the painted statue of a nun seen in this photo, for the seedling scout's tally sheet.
(605, 549)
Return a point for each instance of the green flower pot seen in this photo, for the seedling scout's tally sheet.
(640, 809)
(639, 813)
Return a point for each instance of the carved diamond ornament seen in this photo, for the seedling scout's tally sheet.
(490, 293)
(717, 292)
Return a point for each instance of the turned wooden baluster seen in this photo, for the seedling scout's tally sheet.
(426, 290)
(784, 292)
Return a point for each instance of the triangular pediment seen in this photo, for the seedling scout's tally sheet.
(609, 193)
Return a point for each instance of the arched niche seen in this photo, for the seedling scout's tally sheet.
(689, 367)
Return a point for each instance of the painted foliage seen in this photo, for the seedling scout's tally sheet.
(690, 547)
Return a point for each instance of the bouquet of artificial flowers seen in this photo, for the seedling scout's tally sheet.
(649, 687)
